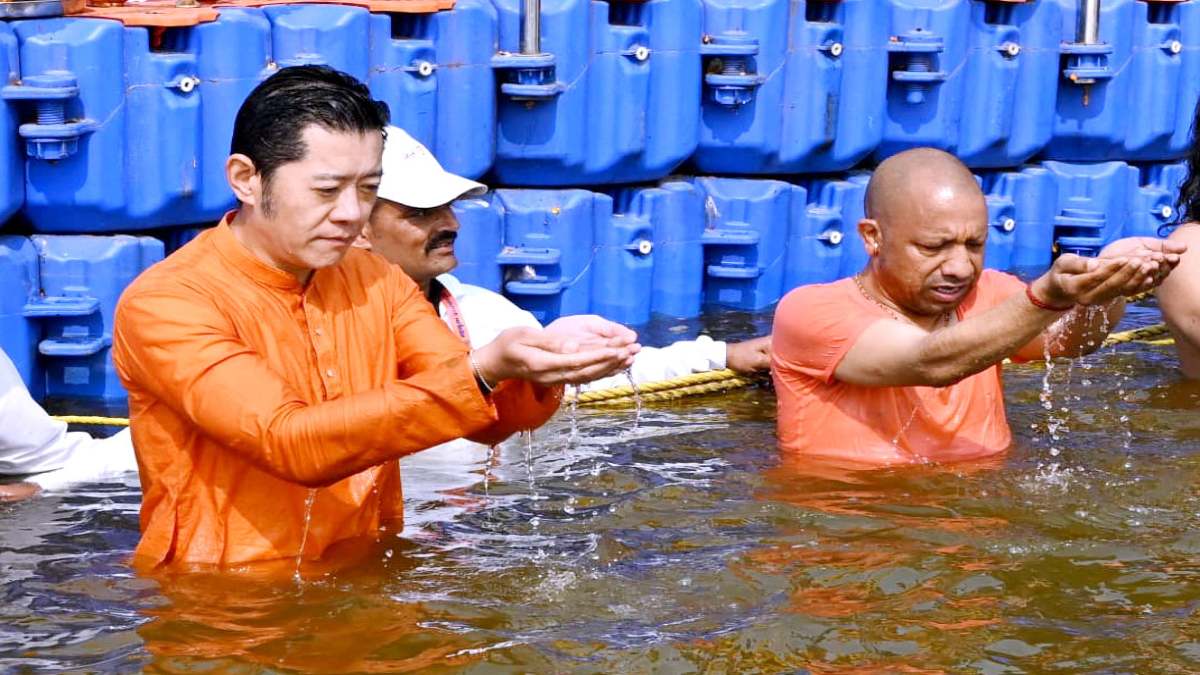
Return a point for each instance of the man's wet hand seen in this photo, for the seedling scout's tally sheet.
(557, 357)
(1125, 267)
(747, 357)
(15, 492)
(590, 331)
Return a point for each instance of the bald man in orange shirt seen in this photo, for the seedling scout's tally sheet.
(275, 374)
(901, 364)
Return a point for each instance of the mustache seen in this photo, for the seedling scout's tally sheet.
(441, 238)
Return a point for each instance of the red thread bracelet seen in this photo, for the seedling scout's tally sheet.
(1042, 304)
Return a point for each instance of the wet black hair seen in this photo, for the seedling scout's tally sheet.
(270, 124)
(1187, 205)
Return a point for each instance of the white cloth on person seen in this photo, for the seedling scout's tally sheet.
(39, 449)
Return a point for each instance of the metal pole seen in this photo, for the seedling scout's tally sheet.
(1088, 30)
(531, 27)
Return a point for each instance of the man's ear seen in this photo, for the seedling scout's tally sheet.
(362, 241)
(871, 235)
(244, 179)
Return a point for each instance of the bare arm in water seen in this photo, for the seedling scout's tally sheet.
(1179, 298)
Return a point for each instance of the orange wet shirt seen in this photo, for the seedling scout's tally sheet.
(877, 426)
(246, 388)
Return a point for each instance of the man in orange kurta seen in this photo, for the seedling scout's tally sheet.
(275, 374)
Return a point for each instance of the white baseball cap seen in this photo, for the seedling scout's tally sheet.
(413, 177)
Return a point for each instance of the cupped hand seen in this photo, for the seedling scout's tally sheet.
(590, 331)
(1089, 281)
(548, 358)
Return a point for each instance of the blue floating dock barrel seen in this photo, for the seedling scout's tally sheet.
(61, 337)
(611, 98)
(1033, 192)
(1153, 206)
(786, 85)
(976, 79)
(1129, 94)
(1093, 205)
(745, 239)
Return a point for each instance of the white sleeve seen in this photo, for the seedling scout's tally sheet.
(100, 460)
(32, 442)
(487, 314)
(655, 364)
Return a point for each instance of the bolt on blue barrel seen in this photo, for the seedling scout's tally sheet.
(549, 246)
(1130, 95)
(1152, 210)
(786, 85)
(674, 211)
(1002, 231)
(18, 335)
(435, 73)
(745, 239)
(81, 279)
(611, 98)
(972, 78)
(623, 269)
(1033, 193)
(1093, 204)
(825, 245)
(1009, 80)
(123, 135)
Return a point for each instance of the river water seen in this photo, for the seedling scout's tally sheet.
(688, 545)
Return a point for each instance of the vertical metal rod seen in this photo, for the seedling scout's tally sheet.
(1088, 30)
(531, 27)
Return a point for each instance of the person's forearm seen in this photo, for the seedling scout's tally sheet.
(977, 343)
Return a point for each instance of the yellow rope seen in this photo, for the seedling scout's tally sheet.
(91, 419)
(1147, 334)
(666, 390)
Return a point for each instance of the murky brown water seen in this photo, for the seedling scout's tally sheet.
(687, 546)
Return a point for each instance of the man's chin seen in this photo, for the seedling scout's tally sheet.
(328, 257)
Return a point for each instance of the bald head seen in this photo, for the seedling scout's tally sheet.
(906, 185)
(925, 230)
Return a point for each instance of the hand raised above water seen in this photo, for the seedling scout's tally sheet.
(557, 357)
(1125, 267)
(590, 331)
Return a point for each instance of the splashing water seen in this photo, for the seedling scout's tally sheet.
(574, 413)
(527, 443)
(1124, 378)
(637, 400)
(1046, 397)
(308, 507)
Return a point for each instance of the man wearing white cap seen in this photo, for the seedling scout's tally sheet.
(413, 226)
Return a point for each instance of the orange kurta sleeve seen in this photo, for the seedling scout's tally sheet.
(182, 349)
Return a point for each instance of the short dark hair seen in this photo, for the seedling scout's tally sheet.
(270, 124)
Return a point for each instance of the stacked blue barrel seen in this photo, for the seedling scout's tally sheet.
(648, 158)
